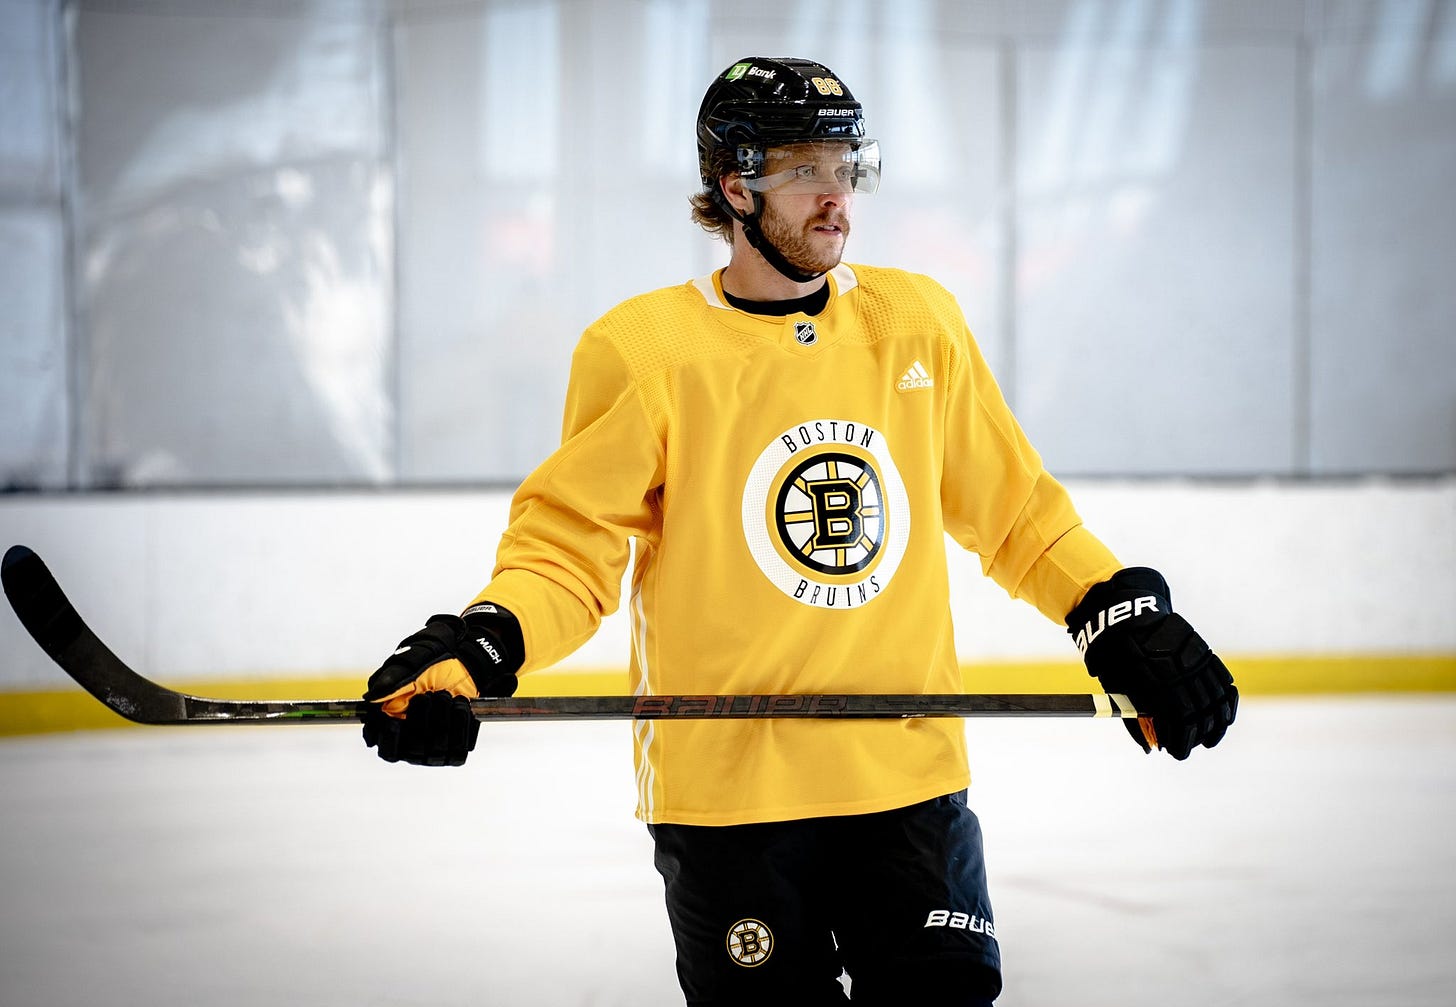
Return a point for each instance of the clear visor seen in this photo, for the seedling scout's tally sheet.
(820, 166)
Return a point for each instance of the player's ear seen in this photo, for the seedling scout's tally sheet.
(736, 193)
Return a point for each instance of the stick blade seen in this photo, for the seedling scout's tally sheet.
(50, 618)
(38, 600)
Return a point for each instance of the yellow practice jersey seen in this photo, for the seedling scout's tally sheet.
(789, 483)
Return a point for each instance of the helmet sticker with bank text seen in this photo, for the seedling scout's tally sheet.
(825, 513)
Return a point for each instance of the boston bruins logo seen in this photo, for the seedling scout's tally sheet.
(830, 512)
(749, 943)
(825, 513)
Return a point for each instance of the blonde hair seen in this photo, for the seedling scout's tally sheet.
(707, 214)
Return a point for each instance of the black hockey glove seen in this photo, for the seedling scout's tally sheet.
(422, 692)
(1135, 644)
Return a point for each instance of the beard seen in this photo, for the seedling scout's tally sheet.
(804, 248)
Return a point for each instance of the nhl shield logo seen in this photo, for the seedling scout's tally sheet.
(805, 334)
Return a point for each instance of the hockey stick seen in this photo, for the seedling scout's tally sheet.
(53, 621)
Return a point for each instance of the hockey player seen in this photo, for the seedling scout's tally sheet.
(788, 440)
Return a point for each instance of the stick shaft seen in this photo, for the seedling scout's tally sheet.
(184, 709)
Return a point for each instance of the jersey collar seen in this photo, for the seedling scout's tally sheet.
(841, 281)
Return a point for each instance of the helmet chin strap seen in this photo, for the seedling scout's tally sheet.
(766, 248)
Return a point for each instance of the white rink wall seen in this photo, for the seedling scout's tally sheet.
(229, 586)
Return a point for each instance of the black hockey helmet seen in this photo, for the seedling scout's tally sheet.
(761, 102)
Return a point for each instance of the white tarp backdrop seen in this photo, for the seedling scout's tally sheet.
(352, 242)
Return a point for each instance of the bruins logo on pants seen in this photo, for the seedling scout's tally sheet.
(825, 514)
(749, 943)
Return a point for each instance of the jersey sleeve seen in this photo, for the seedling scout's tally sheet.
(560, 563)
(1000, 502)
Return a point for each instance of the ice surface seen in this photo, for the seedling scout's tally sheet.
(1308, 860)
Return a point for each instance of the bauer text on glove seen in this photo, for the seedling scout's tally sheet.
(1135, 644)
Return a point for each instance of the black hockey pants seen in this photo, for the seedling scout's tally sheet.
(772, 913)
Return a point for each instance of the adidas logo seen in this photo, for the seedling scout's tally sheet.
(916, 377)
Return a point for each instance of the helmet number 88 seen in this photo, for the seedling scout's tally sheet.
(827, 85)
